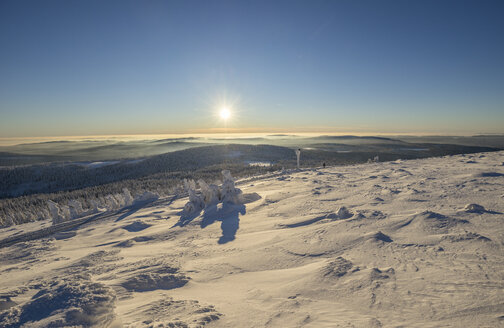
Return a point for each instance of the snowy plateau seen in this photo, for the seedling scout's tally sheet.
(413, 243)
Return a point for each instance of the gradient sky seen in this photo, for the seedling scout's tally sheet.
(128, 67)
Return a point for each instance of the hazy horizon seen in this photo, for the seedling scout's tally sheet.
(14, 141)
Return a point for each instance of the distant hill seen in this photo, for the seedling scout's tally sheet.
(64, 176)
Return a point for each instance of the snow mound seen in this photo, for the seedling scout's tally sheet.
(164, 277)
(337, 268)
(428, 222)
(148, 281)
(249, 198)
(377, 274)
(379, 237)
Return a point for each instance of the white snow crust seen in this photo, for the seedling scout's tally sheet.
(417, 243)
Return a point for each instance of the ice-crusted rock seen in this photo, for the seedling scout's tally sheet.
(344, 213)
(474, 208)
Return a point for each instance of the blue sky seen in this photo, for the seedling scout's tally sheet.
(137, 67)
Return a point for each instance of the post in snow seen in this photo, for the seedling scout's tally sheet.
(298, 155)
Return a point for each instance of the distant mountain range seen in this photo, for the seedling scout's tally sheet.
(111, 149)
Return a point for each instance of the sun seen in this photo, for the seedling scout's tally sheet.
(224, 113)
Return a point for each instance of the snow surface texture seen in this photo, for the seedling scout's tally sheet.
(415, 243)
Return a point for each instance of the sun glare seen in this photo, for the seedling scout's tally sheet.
(225, 113)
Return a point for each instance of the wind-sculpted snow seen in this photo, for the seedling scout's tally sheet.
(409, 243)
(152, 280)
(73, 303)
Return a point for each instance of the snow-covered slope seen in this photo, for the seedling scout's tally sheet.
(416, 243)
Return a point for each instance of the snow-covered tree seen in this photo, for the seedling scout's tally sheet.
(229, 193)
(111, 203)
(196, 202)
(128, 199)
(95, 206)
(189, 184)
(210, 193)
(75, 208)
(57, 214)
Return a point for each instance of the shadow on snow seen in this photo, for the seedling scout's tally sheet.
(227, 213)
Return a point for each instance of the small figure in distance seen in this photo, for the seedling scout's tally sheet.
(298, 154)
(323, 165)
